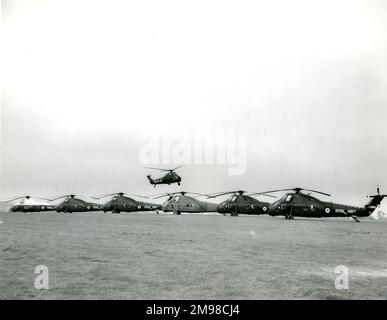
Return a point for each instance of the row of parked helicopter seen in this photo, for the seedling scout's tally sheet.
(296, 202)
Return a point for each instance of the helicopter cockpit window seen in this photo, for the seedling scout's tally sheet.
(233, 198)
(177, 198)
(289, 197)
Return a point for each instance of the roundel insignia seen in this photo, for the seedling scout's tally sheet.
(327, 210)
(264, 209)
(139, 207)
(42, 207)
(88, 207)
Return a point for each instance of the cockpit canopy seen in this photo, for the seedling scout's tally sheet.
(288, 197)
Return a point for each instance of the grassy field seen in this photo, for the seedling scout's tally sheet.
(145, 256)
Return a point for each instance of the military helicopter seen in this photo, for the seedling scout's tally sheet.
(29, 204)
(120, 202)
(242, 202)
(71, 204)
(168, 178)
(179, 202)
(298, 204)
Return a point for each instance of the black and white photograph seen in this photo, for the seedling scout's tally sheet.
(216, 151)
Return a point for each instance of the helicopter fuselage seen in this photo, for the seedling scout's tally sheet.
(242, 204)
(301, 205)
(126, 204)
(77, 205)
(31, 207)
(181, 203)
(168, 178)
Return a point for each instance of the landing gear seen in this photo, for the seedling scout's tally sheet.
(289, 217)
(355, 218)
(178, 183)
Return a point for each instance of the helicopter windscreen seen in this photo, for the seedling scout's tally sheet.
(288, 197)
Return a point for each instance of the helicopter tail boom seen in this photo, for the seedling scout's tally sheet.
(374, 202)
(150, 179)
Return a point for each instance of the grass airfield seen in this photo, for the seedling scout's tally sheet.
(149, 256)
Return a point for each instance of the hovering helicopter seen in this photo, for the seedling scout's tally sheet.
(178, 202)
(242, 202)
(29, 204)
(71, 204)
(168, 178)
(120, 202)
(298, 204)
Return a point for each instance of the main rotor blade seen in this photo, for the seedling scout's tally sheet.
(297, 189)
(23, 197)
(195, 193)
(176, 168)
(137, 195)
(13, 199)
(261, 194)
(61, 197)
(163, 195)
(161, 169)
(157, 169)
(157, 194)
(106, 195)
(179, 192)
(240, 192)
(119, 193)
(218, 194)
(325, 194)
(275, 191)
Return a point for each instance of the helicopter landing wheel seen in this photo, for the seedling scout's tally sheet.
(178, 183)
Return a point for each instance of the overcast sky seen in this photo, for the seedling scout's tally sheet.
(82, 80)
